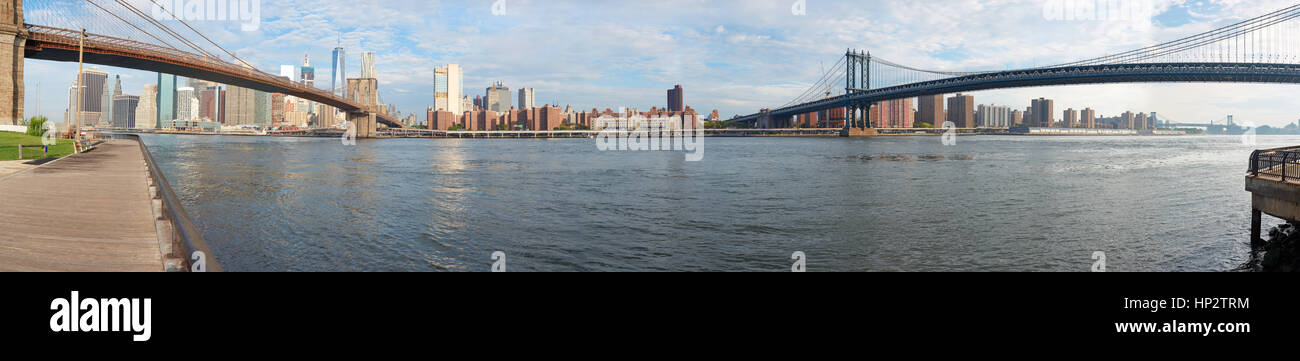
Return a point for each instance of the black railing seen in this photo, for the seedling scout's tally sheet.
(1280, 163)
(190, 240)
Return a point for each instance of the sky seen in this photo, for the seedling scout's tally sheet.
(733, 56)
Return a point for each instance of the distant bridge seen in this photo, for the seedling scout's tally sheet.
(1258, 50)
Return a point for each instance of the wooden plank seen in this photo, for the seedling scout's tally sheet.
(90, 212)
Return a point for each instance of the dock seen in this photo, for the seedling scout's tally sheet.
(1274, 183)
(89, 212)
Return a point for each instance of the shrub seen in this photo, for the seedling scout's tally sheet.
(36, 126)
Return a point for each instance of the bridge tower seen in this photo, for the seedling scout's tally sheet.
(364, 91)
(857, 79)
(13, 41)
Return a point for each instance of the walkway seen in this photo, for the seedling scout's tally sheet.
(89, 212)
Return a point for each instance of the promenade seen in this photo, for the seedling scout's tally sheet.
(90, 212)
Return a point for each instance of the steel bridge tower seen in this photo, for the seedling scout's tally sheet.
(857, 79)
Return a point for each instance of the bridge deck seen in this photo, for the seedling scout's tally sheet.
(90, 212)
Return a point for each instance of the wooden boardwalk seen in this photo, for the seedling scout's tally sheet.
(90, 212)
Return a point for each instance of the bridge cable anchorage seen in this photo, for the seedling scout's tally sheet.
(205, 37)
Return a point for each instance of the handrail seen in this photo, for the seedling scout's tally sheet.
(1274, 162)
(182, 226)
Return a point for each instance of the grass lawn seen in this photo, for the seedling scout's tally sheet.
(9, 142)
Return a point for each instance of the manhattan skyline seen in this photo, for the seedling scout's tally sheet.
(710, 48)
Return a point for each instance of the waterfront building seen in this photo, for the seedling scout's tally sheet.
(930, 110)
(993, 116)
(166, 99)
(1089, 118)
(447, 88)
(961, 111)
(1070, 118)
(146, 111)
(184, 104)
(1043, 110)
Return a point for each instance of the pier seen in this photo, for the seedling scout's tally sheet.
(1274, 183)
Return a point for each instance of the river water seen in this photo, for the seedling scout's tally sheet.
(988, 203)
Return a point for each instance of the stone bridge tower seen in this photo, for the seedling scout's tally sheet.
(13, 39)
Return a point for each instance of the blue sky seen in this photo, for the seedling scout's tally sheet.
(734, 56)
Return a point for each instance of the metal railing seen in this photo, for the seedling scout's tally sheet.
(183, 230)
(1280, 163)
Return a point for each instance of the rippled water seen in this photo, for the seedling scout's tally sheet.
(990, 203)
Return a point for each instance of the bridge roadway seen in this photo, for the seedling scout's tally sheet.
(89, 212)
(1073, 75)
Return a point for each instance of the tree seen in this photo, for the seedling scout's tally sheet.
(36, 126)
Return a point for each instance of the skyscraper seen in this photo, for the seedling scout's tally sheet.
(447, 88)
(92, 96)
(676, 99)
(931, 109)
(166, 99)
(498, 98)
(261, 108)
(1088, 118)
(1070, 118)
(124, 109)
(308, 72)
(526, 98)
(961, 111)
(368, 70)
(338, 72)
(239, 106)
(184, 104)
(146, 112)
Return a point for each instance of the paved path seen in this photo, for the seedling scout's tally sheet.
(88, 212)
(8, 167)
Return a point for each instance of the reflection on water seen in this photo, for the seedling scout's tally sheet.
(880, 204)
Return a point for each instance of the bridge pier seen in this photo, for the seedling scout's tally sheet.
(366, 123)
(13, 41)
